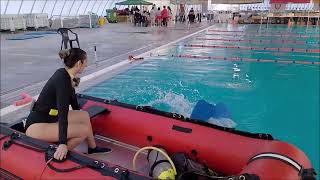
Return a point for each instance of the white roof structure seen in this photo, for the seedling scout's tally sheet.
(57, 7)
(67, 8)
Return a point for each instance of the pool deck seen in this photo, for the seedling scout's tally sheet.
(26, 65)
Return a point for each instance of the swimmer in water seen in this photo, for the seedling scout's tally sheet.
(235, 75)
(131, 58)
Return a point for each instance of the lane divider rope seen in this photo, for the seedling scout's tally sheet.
(221, 58)
(260, 41)
(263, 35)
(256, 48)
(259, 30)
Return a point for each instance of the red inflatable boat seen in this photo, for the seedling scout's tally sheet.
(125, 128)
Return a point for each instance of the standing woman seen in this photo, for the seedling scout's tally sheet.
(170, 15)
(158, 17)
(153, 16)
(50, 119)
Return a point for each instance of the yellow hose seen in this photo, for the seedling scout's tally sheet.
(153, 148)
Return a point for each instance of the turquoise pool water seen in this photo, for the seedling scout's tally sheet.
(281, 99)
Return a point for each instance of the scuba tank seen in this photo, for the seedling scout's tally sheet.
(160, 167)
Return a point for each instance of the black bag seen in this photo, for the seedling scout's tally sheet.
(190, 170)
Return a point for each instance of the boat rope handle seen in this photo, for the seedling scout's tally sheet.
(156, 149)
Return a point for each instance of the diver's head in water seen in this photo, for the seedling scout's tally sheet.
(75, 60)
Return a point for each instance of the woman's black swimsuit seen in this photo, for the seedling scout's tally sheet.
(57, 94)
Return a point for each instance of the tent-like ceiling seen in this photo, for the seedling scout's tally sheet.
(236, 1)
(134, 2)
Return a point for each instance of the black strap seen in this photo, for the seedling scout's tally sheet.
(49, 157)
(28, 147)
(65, 170)
(155, 164)
(14, 136)
(99, 166)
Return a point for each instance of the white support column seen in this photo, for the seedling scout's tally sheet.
(113, 2)
(71, 7)
(5, 10)
(44, 6)
(104, 8)
(268, 18)
(65, 1)
(308, 19)
(260, 21)
(99, 7)
(55, 3)
(93, 5)
(20, 6)
(79, 8)
(86, 7)
(34, 1)
(61, 13)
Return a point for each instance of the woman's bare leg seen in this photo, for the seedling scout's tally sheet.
(82, 117)
(74, 142)
(50, 132)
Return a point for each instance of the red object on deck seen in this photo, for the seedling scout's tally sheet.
(26, 98)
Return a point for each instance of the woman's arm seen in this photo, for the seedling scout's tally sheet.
(63, 95)
(74, 101)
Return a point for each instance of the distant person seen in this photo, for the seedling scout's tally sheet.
(170, 14)
(51, 120)
(182, 14)
(158, 17)
(199, 14)
(137, 17)
(191, 16)
(131, 15)
(132, 58)
(164, 16)
(153, 16)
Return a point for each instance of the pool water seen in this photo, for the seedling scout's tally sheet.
(276, 98)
